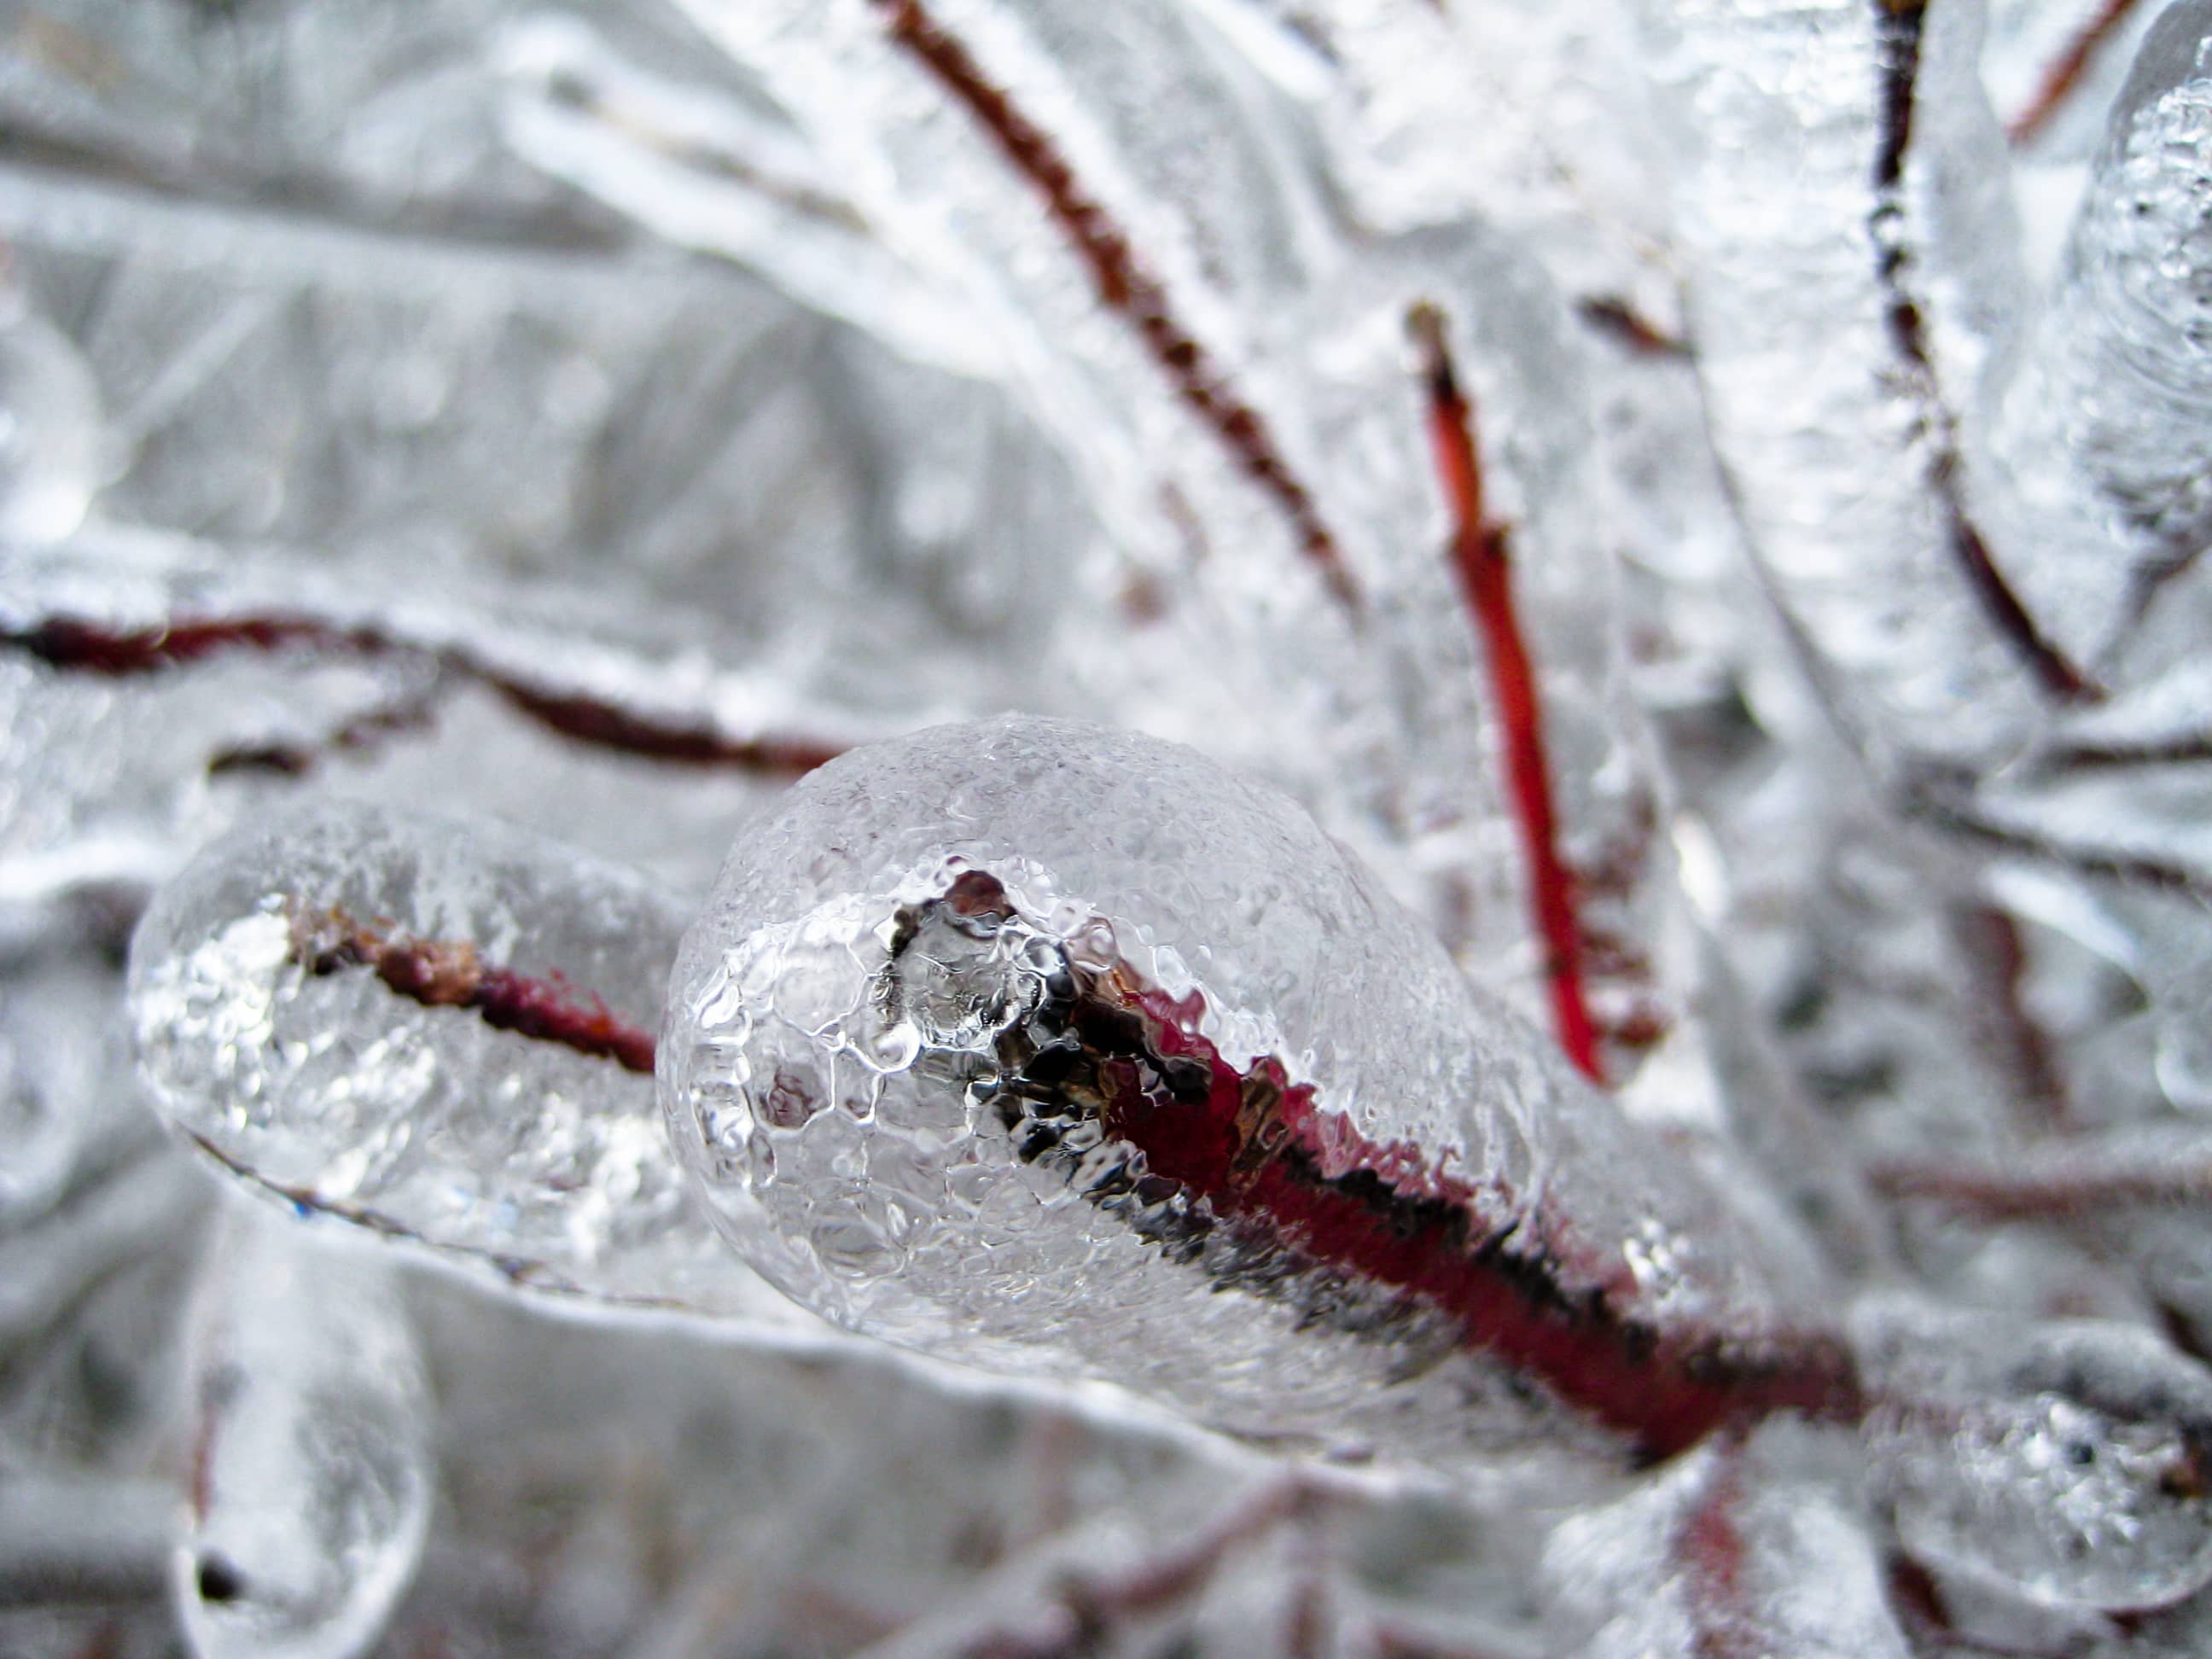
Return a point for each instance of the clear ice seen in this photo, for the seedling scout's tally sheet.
(311, 1475)
(586, 419)
(267, 1035)
(847, 1055)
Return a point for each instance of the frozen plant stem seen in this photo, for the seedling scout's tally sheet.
(453, 975)
(1711, 1549)
(1481, 558)
(1192, 1145)
(2060, 1182)
(1125, 287)
(73, 645)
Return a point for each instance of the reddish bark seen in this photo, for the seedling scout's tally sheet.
(71, 644)
(1481, 558)
(1125, 287)
(451, 975)
(1709, 1547)
(2057, 1184)
(1898, 24)
(1250, 1151)
(1629, 328)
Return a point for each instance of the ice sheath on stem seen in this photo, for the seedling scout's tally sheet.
(1061, 1050)
(443, 1032)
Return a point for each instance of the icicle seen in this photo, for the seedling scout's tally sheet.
(310, 1476)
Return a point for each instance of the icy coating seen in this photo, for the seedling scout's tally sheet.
(486, 1090)
(1062, 1049)
(1704, 498)
(2069, 1463)
(2101, 429)
(311, 1472)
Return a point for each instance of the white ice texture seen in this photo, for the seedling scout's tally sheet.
(716, 368)
(2065, 1463)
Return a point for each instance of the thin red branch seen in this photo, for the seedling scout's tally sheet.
(74, 645)
(1943, 807)
(1996, 956)
(1480, 556)
(1629, 328)
(2065, 74)
(1182, 1571)
(2189, 749)
(440, 974)
(1124, 285)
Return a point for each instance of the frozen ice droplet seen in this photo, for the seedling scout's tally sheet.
(50, 427)
(443, 1030)
(311, 1474)
(2068, 1463)
(1273, 1161)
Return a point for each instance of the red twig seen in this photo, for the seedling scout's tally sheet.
(1997, 957)
(1177, 1573)
(2065, 74)
(451, 975)
(1629, 328)
(1479, 555)
(1124, 285)
(2059, 1182)
(1248, 1154)
(69, 643)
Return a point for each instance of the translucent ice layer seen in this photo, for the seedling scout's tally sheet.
(50, 431)
(311, 1474)
(2068, 1463)
(439, 1031)
(69, 1102)
(1062, 1049)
